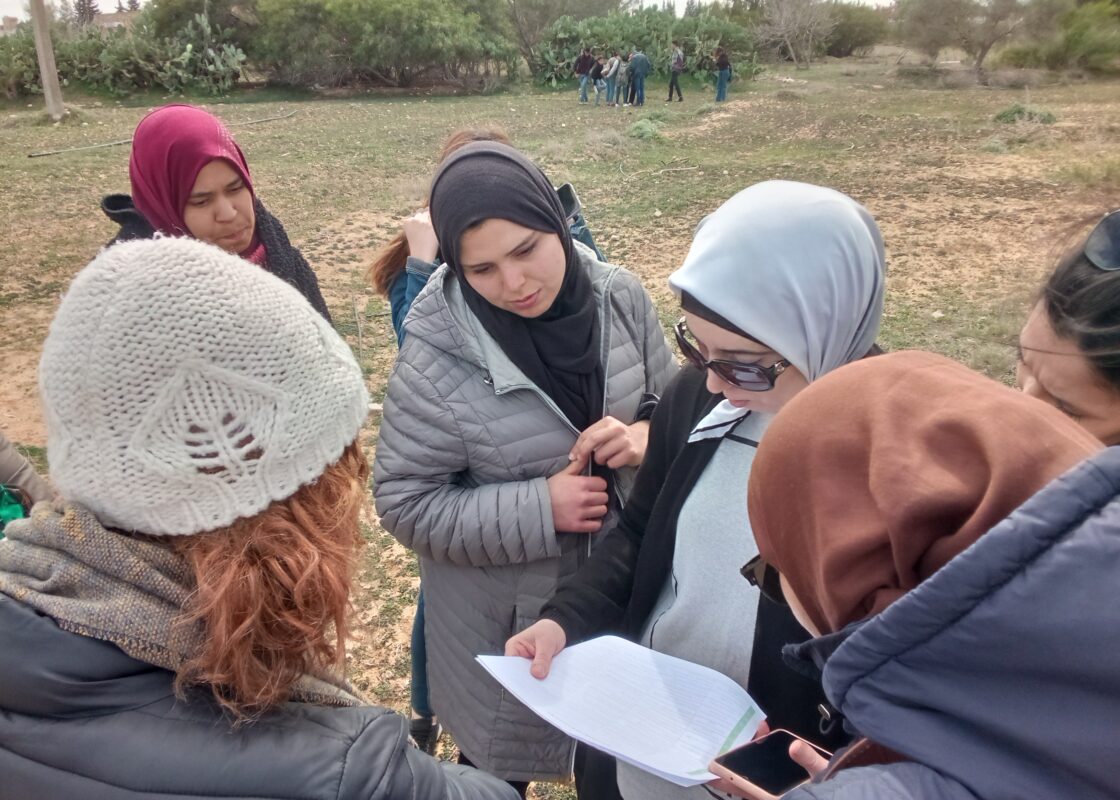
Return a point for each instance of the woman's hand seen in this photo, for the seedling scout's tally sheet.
(809, 759)
(421, 236)
(613, 443)
(541, 641)
(579, 502)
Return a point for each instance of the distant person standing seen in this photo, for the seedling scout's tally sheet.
(623, 95)
(597, 81)
(610, 77)
(583, 71)
(676, 67)
(640, 67)
(723, 64)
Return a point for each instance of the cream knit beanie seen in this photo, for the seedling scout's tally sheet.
(185, 388)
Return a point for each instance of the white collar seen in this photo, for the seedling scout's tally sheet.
(719, 422)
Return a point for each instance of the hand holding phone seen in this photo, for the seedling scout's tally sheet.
(763, 769)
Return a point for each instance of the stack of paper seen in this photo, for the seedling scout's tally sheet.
(662, 714)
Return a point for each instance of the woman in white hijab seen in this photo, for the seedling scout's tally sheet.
(783, 283)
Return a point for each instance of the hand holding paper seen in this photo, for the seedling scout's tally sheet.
(662, 714)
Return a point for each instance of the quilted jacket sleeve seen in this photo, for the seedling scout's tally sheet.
(381, 764)
(661, 365)
(420, 458)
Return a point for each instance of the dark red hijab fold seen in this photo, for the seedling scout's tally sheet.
(170, 147)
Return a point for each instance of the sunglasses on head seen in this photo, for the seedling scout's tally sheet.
(765, 578)
(752, 377)
(1102, 247)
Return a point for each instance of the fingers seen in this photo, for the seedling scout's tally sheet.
(520, 646)
(542, 661)
(577, 465)
(595, 436)
(808, 758)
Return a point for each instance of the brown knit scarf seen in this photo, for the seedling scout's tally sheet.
(109, 586)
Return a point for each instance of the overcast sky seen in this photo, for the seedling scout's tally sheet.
(18, 8)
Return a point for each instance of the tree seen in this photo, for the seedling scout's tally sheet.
(530, 18)
(120, 7)
(976, 26)
(798, 27)
(85, 11)
(986, 25)
(133, 5)
(929, 26)
(64, 12)
(858, 29)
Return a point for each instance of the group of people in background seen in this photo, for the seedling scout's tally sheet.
(621, 77)
(930, 556)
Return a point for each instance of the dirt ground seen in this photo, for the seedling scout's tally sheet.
(971, 210)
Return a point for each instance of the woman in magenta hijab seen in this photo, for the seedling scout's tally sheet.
(189, 178)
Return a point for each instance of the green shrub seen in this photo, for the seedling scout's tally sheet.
(19, 67)
(198, 58)
(1089, 39)
(1018, 111)
(858, 28)
(331, 42)
(645, 129)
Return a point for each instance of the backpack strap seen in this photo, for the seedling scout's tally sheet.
(861, 753)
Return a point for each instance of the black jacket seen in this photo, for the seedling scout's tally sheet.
(81, 719)
(618, 588)
(284, 261)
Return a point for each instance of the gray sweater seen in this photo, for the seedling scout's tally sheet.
(467, 445)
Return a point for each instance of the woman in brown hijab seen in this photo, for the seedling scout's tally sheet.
(940, 535)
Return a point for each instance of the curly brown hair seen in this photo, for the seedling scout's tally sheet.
(389, 261)
(273, 592)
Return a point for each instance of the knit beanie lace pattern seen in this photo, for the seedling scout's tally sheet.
(185, 388)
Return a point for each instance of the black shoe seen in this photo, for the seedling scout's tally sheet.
(425, 731)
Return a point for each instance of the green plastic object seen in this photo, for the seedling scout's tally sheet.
(10, 508)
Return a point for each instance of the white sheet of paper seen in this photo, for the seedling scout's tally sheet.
(662, 714)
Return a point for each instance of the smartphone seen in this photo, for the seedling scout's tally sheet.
(569, 200)
(762, 769)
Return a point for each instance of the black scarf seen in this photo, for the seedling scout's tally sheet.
(283, 260)
(559, 350)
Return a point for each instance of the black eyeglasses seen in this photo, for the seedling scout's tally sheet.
(1102, 248)
(752, 377)
(763, 576)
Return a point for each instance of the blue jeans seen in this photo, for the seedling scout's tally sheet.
(611, 89)
(624, 92)
(639, 90)
(583, 79)
(600, 88)
(418, 686)
(721, 85)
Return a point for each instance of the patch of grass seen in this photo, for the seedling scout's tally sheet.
(1018, 112)
(1101, 173)
(645, 130)
(36, 455)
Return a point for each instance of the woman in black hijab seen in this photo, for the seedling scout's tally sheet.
(520, 347)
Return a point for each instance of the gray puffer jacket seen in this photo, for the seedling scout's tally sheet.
(81, 719)
(467, 444)
(999, 676)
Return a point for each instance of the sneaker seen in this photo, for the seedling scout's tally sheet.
(425, 731)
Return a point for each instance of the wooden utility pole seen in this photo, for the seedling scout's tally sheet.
(47, 69)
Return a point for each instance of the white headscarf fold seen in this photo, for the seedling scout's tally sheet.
(801, 268)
